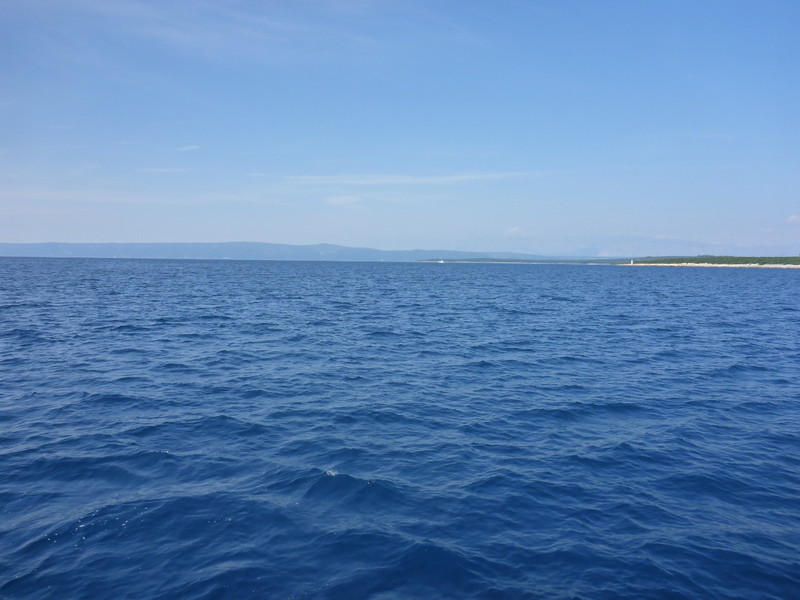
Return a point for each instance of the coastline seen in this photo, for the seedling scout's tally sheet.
(734, 266)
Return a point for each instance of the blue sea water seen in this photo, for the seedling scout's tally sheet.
(225, 429)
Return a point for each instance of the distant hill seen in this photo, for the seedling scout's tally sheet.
(243, 251)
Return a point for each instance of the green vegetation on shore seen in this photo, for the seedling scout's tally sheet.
(723, 260)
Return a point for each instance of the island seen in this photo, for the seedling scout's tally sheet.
(753, 262)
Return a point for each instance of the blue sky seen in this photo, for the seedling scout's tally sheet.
(592, 127)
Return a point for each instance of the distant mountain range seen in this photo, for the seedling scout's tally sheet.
(244, 251)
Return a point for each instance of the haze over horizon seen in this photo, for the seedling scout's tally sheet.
(612, 129)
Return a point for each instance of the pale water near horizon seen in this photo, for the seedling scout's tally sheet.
(226, 429)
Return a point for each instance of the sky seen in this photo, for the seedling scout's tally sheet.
(571, 127)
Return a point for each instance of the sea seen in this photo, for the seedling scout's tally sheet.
(178, 429)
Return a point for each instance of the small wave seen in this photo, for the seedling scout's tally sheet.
(737, 370)
(421, 570)
(129, 350)
(24, 335)
(214, 317)
(556, 298)
(341, 488)
(124, 469)
(196, 429)
(129, 328)
(174, 367)
(384, 333)
(114, 400)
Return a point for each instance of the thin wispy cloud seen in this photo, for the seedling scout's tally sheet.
(344, 200)
(77, 196)
(161, 170)
(81, 196)
(187, 148)
(273, 32)
(389, 179)
(14, 194)
(793, 219)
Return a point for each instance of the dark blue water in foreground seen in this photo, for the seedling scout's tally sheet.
(190, 429)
